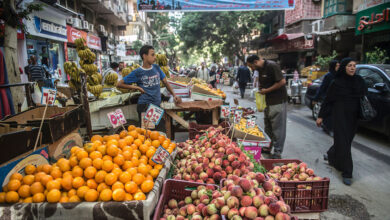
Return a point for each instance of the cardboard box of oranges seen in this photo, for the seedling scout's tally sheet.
(109, 168)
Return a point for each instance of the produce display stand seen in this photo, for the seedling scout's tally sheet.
(192, 106)
(99, 109)
(136, 210)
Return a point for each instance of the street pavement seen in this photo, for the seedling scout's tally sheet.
(369, 195)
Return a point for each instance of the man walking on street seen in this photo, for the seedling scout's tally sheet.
(203, 73)
(243, 77)
(273, 85)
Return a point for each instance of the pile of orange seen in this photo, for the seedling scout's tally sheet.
(116, 167)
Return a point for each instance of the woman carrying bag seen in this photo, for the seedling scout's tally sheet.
(342, 104)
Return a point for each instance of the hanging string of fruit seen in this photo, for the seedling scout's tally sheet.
(87, 59)
(162, 61)
(74, 73)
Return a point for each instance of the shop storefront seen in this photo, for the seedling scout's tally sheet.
(48, 33)
(373, 24)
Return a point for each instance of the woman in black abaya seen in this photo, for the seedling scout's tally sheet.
(342, 103)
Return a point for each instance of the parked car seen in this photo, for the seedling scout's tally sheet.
(377, 78)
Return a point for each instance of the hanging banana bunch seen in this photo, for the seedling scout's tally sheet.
(162, 61)
(74, 73)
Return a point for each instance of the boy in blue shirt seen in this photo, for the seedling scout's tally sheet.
(147, 77)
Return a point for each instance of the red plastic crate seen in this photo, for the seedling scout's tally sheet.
(175, 189)
(301, 200)
(195, 128)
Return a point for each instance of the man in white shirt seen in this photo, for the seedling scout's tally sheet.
(203, 73)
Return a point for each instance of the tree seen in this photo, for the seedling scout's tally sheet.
(220, 33)
(13, 15)
(376, 56)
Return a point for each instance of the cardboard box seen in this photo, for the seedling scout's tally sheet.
(204, 97)
(241, 135)
(174, 81)
(38, 157)
(61, 148)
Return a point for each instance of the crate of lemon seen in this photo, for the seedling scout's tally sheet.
(241, 131)
(111, 176)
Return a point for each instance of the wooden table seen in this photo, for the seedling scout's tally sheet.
(170, 113)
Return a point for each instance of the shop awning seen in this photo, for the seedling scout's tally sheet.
(288, 36)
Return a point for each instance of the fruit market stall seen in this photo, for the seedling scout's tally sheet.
(113, 176)
(191, 106)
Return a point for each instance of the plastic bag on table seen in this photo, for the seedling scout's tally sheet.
(253, 92)
(260, 102)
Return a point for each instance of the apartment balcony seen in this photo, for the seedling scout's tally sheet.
(108, 10)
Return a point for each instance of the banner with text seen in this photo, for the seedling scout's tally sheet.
(214, 5)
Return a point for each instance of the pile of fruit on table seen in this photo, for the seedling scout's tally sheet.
(202, 84)
(116, 167)
(253, 131)
(293, 172)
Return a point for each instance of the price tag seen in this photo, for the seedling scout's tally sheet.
(115, 122)
(48, 96)
(237, 116)
(250, 122)
(120, 116)
(154, 114)
(232, 110)
(151, 126)
(225, 111)
(160, 156)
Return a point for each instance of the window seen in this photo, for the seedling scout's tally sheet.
(332, 7)
(370, 77)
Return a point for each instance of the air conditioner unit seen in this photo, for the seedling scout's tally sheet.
(117, 38)
(77, 23)
(85, 25)
(107, 4)
(69, 20)
(91, 27)
(317, 26)
(111, 35)
(101, 28)
(280, 31)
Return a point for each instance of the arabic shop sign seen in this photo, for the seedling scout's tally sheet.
(373, 19)
(214, 5)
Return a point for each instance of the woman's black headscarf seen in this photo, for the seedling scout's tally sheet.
(352, 86)
(332, 66)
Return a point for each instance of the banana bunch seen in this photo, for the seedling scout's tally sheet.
(161, 60)
(80, 44)
(126, 71)
(111, 79)
(87, 56)
(96, 90)
(165, 69)
(74, 73)
(94, 79)
(90, 69)
(198, 81)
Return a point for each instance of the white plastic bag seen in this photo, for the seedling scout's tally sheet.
(235, 87)
(253, 92)
(37, 95)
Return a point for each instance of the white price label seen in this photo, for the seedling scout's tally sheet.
(154, 114)
(120, 116)
(237, 116)
(160, 156)
(48, 96)
(115, 122)
(225, 111)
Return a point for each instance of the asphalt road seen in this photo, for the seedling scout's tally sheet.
(369, 195)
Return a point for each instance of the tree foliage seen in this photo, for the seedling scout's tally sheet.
(323, 61)
(219, 34)
(377, 56)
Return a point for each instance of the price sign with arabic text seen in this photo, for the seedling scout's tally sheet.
(250, 122)
(154, 114)
(48, 96)
(232, 110)
(225, 111)
(114, 120)
(119, 115)
(237, 116)
(160, 156)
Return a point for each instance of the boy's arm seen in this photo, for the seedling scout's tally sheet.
(123, 85)
(170, 90)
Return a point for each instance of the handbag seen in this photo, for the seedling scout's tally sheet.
(367, 112)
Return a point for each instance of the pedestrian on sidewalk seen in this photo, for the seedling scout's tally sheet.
(342, 103)
(243, 77)
(203, 73)
(272, 84)
(321, 92)
(213, 76)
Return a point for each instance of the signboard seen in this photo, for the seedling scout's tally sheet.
(297, 44)
(237, 116)
(116, 118)
(50, 28)
(250, 122)
(48, 96)
(121, 50)
(94, 42)
(160, 156)
(373, 19)
(74, 34)
(225, 111)
(214, 5)
(154, 114)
